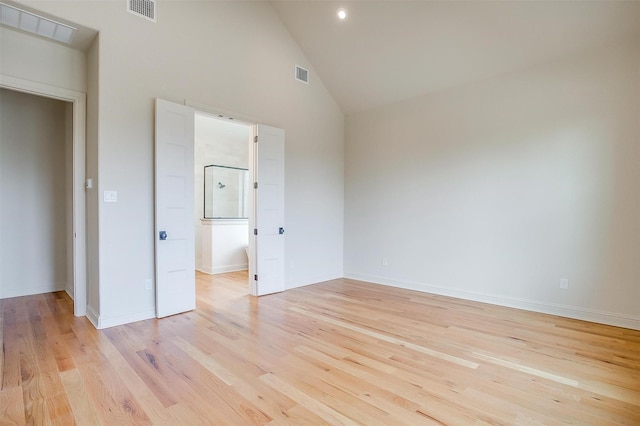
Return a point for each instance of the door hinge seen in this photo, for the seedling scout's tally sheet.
(255, 185)
(255, 139)
(255, 277)
(255, 231)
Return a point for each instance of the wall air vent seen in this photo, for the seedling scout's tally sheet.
(302, 74)
(143, 8)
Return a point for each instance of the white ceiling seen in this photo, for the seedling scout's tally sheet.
(387, 51)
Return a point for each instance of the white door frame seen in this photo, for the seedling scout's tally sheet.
(78, 99)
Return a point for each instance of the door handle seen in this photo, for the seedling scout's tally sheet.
(281, 231)
(163, 235)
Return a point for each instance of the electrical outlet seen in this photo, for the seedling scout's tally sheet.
(564, 283)
(148, 284)
(385, 262)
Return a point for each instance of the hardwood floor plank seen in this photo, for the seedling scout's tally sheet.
(195, 386)
(338, 352)
(184, 415)
(84, 412)
(299, 415)
(63, 360)
(326, 413)
(33, 389)
(390, 339)
(374, 398)
(59, 410)
(207, 362)
(42, 330)
(344, 401)
(230, 403)
(560, 404)
(12, 347)
(528, 370)
(140, 375)
(11, 406)
(33, 396)
(396, 398)
(147, 396)
(113, 405)
(241, 379)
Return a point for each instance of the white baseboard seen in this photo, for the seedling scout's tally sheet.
(223, 269)
(69, 289)
(92, 316)
(609, 318)
(30, 290)
(101, 322)
(315, 280)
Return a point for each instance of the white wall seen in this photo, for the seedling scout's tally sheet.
(234, 55)
(36, 59)
(223, 246)
(34, 206)
(496, 190)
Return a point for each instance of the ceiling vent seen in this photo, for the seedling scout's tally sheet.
(143, 8)
(302, 74)
(35, 24)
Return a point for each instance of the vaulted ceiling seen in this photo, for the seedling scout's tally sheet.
(388, 51)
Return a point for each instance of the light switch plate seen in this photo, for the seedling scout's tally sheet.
(110, 196)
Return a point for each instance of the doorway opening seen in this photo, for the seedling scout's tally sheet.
(42, 202)
(222, 173)
(175, 209)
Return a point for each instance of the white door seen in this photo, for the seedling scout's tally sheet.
(174, 227)
(266, 270)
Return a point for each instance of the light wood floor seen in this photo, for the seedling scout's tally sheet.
(340, 352)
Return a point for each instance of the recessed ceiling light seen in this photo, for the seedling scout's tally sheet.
(342, 14)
